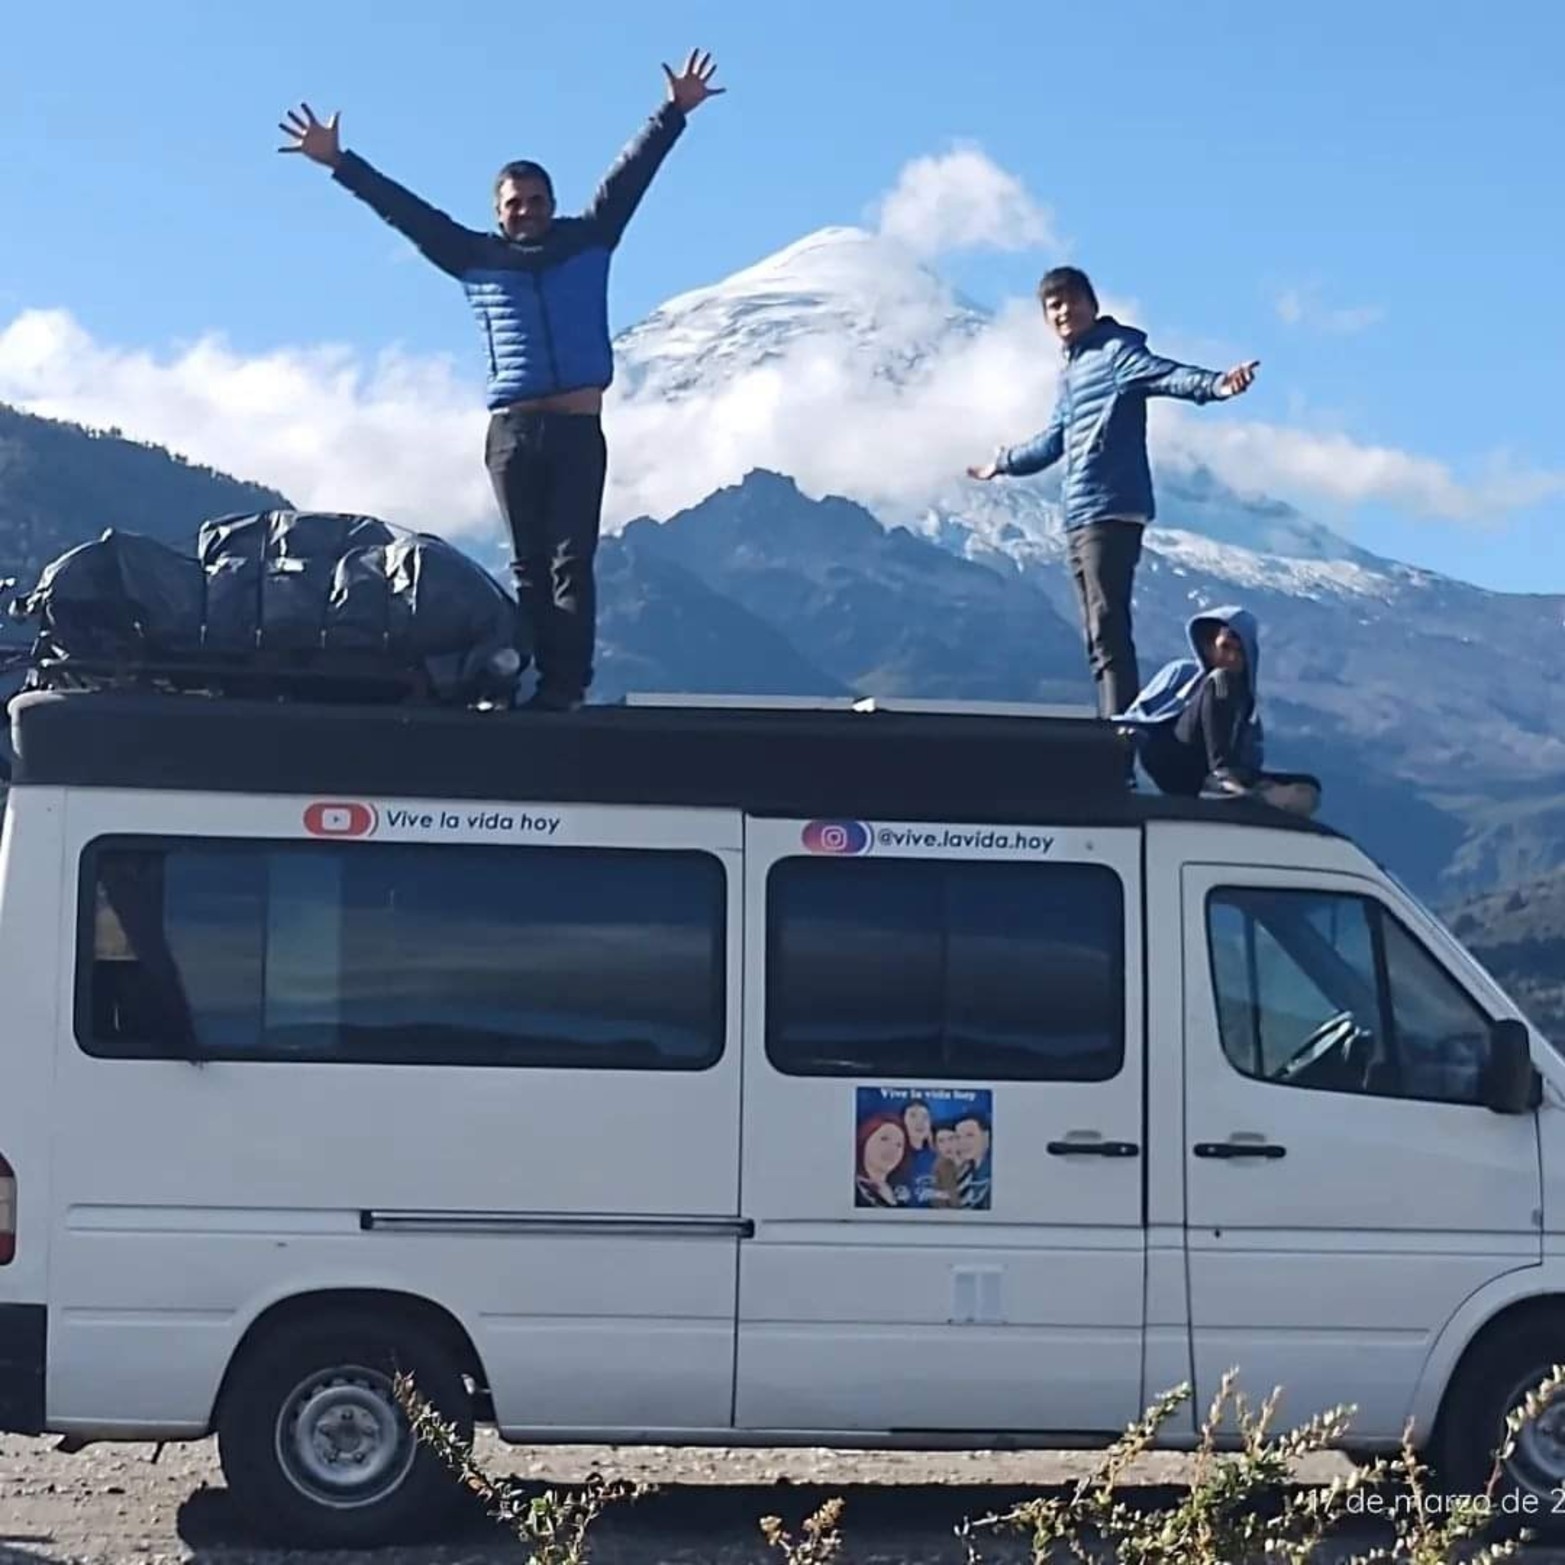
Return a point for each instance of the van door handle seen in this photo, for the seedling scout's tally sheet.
(1239, 1149)
(1093, 1149)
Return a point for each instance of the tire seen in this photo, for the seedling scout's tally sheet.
(1493, 1380)
(332, 1378)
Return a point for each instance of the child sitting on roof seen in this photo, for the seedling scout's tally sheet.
(1198, 724)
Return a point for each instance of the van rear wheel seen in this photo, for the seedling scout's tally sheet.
(315, 1448)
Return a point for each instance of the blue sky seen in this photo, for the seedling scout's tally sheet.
(1364, 197)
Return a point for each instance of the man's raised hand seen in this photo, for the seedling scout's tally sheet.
(316, 141)
(692, 87)
(1238, 379)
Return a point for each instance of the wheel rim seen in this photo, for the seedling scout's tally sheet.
(1537, 1460)
(342, 1440)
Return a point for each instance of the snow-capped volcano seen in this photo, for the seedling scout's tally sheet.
(844, 290)
(845, 362)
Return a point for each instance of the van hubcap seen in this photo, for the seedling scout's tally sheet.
(1538, 1460)
(341, 1438)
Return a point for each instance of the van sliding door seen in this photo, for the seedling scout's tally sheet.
(942, 1129)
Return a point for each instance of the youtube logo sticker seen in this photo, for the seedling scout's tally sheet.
(340, 818)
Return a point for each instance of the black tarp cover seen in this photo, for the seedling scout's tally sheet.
(276, 595)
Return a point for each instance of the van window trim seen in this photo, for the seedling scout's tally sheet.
(726, 951)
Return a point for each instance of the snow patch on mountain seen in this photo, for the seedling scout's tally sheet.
(1025, 534)
(1184, 553)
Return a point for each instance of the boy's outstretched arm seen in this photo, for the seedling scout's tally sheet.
(1135, 366)
(438, 237)
(1032, 456)
(616, 199)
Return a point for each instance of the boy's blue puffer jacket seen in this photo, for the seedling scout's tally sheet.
(1099, 425)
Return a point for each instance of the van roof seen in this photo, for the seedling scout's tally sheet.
(804, 760)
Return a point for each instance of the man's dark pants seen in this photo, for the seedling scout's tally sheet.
(548, 472)
(1103, 557)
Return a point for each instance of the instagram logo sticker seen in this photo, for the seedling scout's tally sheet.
(347, 818)
(837, 837)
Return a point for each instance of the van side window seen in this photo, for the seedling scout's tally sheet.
(945, 969)
(445, 954)
(1324, 990)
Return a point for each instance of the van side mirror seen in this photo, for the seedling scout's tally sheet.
(1511, 1083)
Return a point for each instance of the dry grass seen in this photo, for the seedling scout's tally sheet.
(1238, 1506)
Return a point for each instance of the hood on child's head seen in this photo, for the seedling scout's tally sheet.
(1204, 626)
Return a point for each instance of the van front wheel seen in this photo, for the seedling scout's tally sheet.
(314, 1447)
(1494, 1382)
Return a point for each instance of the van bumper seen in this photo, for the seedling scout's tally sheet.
(24, 1330)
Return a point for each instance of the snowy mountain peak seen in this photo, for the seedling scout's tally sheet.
(842, 293)
(845, 362)
(839, 262)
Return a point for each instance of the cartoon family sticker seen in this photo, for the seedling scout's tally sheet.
(929, 1149)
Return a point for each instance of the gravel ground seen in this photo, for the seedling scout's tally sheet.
(112, 1505)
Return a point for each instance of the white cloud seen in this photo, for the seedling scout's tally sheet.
(1303, 307)
(401, 438)
(890, 430)
(963, 200)
(875, 394)
(824, 408)
(1332, 467)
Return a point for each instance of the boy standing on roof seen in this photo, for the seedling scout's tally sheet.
(538, 285)
(1099, 427)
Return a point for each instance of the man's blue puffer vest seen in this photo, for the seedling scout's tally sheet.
(1099, 424)
(542, 307)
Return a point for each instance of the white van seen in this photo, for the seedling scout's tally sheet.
(718, 1075)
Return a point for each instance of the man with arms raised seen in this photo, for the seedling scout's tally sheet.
(538, 284)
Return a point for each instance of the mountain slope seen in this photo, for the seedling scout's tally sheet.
(886, 612)
(662, 628)
(880, 610)
(61, 484)
(1519, 934)
(1425, 699)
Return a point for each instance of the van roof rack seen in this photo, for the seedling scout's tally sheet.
(953, 708)
(804, 759)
